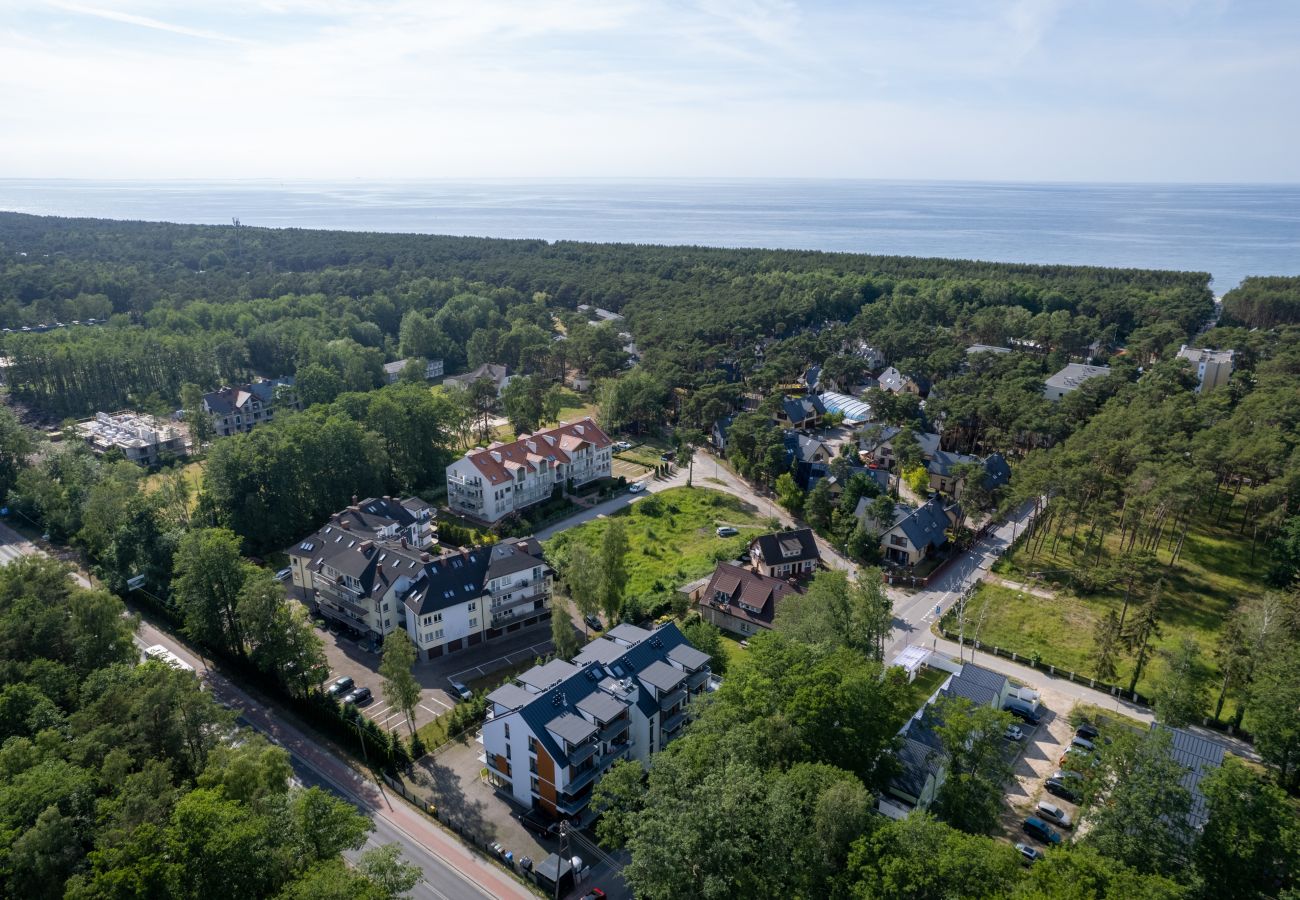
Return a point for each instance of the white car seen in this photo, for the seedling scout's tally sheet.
(1013, 733)
(635, 487)
(1053, 813)
(622, 445)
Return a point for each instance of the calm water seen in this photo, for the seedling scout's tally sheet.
(1228, 230)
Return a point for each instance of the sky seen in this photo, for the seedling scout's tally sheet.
(1003, 90)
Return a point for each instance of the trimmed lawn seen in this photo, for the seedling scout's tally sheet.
(671, 536)
(736, 654)
(927, 681)
(575, 406)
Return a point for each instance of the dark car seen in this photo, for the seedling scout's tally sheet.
(359, 697)
(1065, 788)
(1024, 714)
(1040, 830)
(1088, 732)
(340, 686)
(593, 622)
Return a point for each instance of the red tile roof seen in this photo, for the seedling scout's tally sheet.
(498, 461)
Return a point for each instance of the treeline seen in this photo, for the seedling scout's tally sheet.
(1263, 302)
(126, 780)
(274, 301)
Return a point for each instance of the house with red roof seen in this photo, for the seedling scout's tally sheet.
(490, 483)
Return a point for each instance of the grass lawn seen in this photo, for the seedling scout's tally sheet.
(927, 681)
(646, 452)
(736, 654)
(671, 536)
(192, 472)
(434, 734)
(575, 406)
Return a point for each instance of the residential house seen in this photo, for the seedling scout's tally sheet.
(1071, 378)
(921, 756)
(986, 348)
(917, 533)
(809, 475)
(873, 357)
(366, 570)
(785, 554)
(803, 448)
(142, 438)
(498, 375)
(811, 378)
(393, 370)
(878, 444)
(741, 600)
(1213, 367)
(799, 412)
(942, 468)
(240, 408)
(718, 433)
(491, 483)
(896, 382)
(556, 729)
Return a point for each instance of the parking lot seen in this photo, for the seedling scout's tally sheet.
(1039, 756)
(479, 667)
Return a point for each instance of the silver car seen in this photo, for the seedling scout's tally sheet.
(1054, 814)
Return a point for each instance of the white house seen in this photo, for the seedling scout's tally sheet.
(393, 370)
(1213, 367)
(554, 731)
(489, 484)
(1071, 378)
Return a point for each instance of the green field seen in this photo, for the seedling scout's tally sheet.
(192, 472)
(671, 537)
(1213, 572)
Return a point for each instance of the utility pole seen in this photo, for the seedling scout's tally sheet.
(361, 737)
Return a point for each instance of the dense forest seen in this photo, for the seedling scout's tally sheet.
(120, 779)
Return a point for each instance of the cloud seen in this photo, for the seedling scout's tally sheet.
(127, 18)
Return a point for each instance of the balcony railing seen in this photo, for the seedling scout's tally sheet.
(673, 722)
(613, 729)
(583, 752)
(672, 698)
(697, 681)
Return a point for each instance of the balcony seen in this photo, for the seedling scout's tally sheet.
(672, 698)
(695, 683)
(613, 730)
(673, 722)
(583, 752)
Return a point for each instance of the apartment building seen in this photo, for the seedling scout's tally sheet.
(1213, 367)
(240, 408)
(143, 439)
(554, 731)
(489, 484)
(1070, 379)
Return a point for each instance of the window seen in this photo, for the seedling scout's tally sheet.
(898, 541)
(473, 621)
(532, 744)
(473, 605)
(385, 607)
(533, 783)
(437, 635)
(388, 623)
(507, 731)
(507, 751)
(437, 617)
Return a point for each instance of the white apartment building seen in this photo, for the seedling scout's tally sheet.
(1213, 367)
(489, 484)
(553, 732)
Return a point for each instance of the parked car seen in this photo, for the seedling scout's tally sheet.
(635, 487)
(1050, 812)
(1031, 854)
(1024, 714)
(340, 686)
(1013, 733)
(283, 575)
(593, 894)
(622, 445)
(462, 691)
(727, 531)
(1088, 731)
(1076, 755)
(359, 697)
(592, 622)
(1083, 744)
(1040, 830)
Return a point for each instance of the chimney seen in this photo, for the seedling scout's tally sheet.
(345, 524)
(425, 557)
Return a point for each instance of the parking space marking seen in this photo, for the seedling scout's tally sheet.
(434, 699)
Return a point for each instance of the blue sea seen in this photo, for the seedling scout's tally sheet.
(1230, 231)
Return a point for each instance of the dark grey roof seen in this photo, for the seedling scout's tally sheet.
(997, 472)
(514, 555)
(772, 547)
(973, 674)
(222, 402)
(601, 706)
(511, 696)
(662, 676)
(927, 525)
(688, 656)
(1199, 756)
(629, 633)
(943, 462)
(600, 650)
(797, 409)
(544, 676)
(573, 728)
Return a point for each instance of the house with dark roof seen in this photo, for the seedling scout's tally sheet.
(799, 412)
(918, 533)
(552, 733)
(240, 408)
(370, 569)
(943, 475)
(489, 484)
(895, 382)
(785, 554)
(877, 444)
(981, 686)
(718, 433)
(739, 600)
